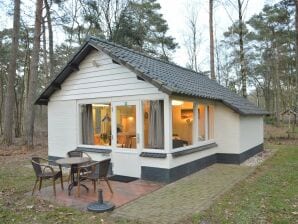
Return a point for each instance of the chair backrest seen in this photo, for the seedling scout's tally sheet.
(104, 168)
(75, 153)
(36, 166)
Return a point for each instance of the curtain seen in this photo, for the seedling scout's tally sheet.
(156, 125)
(87, 125)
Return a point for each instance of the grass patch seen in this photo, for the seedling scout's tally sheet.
(269, 195)
(17, 178)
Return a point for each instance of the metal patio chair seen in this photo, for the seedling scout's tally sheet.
(75, 153)
(94, 171)
(45, 171)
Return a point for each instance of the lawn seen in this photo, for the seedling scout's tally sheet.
(16, 178)
(269, 195)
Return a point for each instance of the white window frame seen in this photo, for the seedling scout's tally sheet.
(142, 145)
(110, 101)
(80, 125)
(195, 127)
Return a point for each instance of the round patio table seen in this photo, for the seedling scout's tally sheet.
(74, 162)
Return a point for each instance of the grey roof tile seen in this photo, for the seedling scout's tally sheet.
(169, 77)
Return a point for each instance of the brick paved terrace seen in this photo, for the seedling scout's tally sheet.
(175, 202)
(122, 193)
(149, 202)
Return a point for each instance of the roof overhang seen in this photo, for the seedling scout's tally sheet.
(71, 66)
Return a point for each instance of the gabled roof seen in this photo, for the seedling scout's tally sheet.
(169, 78)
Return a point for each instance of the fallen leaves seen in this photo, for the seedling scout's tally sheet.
(30, 206)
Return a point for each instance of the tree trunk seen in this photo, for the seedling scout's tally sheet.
(277, 87)
(26, 78)
(296, 79)
(17, 125)
(194, 53)
(211, 37)
(30, 115)
(51, 41)
(241, 45)
(218, 70)
(9, 100)
(1, 98)
(45, 54)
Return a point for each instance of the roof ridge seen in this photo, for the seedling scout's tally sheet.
(145, 55)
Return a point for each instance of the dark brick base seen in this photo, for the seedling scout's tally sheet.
(238, 158)
(170, 175)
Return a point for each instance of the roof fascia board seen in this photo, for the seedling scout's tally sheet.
(72, 65)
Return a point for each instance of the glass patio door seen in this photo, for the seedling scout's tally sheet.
(126, 143)
(126, 117)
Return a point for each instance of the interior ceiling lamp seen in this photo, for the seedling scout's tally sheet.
(177, 102)
(100, 105)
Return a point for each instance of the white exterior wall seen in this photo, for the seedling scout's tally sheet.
(110, 82)
(191, 157)
(251, 132)
(62, 131)
(106, 80)
(226, 129)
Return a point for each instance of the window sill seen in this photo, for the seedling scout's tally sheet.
(194, 149)
(153, 155)
(96, 150)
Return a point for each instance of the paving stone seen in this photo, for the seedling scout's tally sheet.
(179, 200)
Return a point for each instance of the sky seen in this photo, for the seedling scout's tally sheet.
(176, 13)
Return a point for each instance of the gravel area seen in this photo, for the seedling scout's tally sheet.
(259, 158)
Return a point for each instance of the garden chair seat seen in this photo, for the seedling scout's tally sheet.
(45, 171)
(94, 171)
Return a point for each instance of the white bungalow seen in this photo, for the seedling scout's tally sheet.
(156, 120)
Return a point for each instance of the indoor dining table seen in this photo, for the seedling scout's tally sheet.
(74, 162)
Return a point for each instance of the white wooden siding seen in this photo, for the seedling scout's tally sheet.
(106, 80)
(62, 127)
(251, 132)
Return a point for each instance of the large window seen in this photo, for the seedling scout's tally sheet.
(182, 121)
(96, 124)
(184, 131)
(153, 113)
